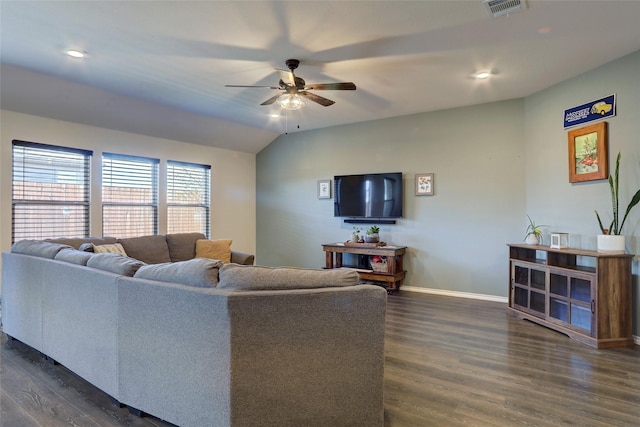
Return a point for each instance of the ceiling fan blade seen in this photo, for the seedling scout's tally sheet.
(271, 100)
(316, 98)
(331, 86)
(287, 77)
(270, 87)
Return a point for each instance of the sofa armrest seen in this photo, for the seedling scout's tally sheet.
(242, 258)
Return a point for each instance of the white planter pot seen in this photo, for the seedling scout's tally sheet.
(611, 243)
(532, 239)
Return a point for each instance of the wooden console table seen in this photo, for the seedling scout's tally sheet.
(392, 278)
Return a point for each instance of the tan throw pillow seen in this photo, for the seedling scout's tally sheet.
(214, 249)
(113, 248)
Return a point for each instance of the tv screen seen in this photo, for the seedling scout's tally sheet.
(377, 195)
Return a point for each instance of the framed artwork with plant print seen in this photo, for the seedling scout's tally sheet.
(588, 159)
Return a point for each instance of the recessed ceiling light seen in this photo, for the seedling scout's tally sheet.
(274, 115)
(481, 75)
(76, 53)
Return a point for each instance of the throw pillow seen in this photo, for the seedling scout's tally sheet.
(255, 278)
(114, 248)
(214, 249)
(200, 272)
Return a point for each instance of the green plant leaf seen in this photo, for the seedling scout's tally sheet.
(600, 222)
(634, 201)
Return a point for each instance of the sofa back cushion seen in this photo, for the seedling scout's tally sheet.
(249, 277)
(148, 249)
(38, 248)
(115, 263)
(74, 256)
(199, 272)
(182, 246)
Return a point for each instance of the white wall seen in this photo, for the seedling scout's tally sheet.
(456, 239)
(232, 173)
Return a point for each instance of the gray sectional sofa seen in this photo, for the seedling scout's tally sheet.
(200, 343)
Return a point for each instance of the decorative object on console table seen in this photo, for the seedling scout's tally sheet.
(324, 189)
(355, 235)
(583, 294)
(379, 264)
(611, 240)
(559, 241)
(533, 234)
(424, 184)
(373, 235)
(588, 159)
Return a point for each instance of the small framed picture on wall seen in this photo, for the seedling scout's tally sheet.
(424, 184)
(324, 189)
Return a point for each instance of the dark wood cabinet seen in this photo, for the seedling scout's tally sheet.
(583, 294)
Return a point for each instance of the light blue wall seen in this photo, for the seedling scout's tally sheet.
(493, 164)
(567, 207)
(456, 238)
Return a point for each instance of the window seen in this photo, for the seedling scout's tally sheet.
(129, 196)
(50, 191)
(188, 197)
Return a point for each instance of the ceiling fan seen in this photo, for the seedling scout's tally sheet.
(294, 89)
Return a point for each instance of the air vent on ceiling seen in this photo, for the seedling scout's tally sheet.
(497, 8)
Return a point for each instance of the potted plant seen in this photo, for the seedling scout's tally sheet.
(611, 239)
(355, 235)
(533, 235)
(372, 234)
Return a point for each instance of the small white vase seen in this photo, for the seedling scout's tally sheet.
(532, 239)
(611, 243)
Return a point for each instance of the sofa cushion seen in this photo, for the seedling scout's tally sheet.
(200, 272)
(115, 263)
(113, 248)
(249, 277)
(182, 246)
(148, 249)
(73, 256)
(214, 249)
(38, 248)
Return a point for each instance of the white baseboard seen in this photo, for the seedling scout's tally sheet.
(470, 295)
(457, 294)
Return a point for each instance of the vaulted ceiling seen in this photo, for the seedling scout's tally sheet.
(160, 67)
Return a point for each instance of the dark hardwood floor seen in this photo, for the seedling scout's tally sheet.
(449, 362)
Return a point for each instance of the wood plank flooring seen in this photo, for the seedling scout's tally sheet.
(449, 362)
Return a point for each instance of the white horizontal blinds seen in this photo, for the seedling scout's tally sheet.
(50, 191)
(188, 197)
(129, 195)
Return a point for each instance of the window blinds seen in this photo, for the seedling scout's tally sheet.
(50, 191)
(188, 197)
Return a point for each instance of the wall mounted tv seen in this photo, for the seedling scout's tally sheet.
(376, 195)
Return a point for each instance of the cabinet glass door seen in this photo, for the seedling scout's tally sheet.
(529, 288)
(581, 306)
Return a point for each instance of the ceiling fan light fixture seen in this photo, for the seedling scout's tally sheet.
(291, 101)
(483, 75)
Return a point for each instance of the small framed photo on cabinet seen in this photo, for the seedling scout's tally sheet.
(324, 189)
(424, 184)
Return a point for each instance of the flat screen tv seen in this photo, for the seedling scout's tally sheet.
(375, 195)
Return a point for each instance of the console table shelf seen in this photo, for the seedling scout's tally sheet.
(392, 278)
(583, 294)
